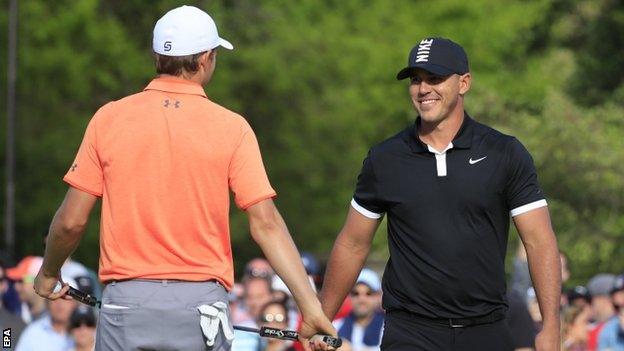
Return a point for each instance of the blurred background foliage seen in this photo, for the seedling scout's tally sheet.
(315, 78)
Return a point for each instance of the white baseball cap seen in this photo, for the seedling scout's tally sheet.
(186, 30)
(370, 278)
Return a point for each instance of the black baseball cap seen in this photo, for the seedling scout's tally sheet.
(439, 56)
(579, 292)
(82, 315)
(85, 284)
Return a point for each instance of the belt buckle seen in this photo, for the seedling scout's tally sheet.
(455, 325)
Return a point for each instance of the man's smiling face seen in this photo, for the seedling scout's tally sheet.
(436, 97)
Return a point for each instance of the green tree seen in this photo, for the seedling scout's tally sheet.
(71, 60)
(315, 78)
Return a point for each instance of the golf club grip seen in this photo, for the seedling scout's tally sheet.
(81, 296)
(269, 332)
(293, 335)
(331, 341)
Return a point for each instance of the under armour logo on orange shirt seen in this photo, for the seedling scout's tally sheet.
(176, 104)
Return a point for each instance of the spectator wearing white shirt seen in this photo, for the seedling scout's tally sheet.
(49, 333)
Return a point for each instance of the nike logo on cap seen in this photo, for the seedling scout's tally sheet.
(472, 162)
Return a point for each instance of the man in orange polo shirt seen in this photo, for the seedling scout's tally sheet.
(162, 161)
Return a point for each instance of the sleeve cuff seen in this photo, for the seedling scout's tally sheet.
(246, 205)
(73, 184)
(365, 212)
(528, 207)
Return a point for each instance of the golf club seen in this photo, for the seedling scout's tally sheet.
(268, 332)
(79, 296)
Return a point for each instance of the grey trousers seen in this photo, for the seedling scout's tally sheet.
(156, 315)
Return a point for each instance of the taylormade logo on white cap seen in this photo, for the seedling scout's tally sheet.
(186, 30)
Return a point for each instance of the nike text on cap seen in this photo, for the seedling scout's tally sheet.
(439, 56)
(186, 30)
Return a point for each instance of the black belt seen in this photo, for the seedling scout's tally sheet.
(492, 317)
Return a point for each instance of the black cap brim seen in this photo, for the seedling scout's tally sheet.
(429, 67)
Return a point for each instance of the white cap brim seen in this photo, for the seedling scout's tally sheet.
(226, 44)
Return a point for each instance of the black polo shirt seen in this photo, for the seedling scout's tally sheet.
(448, 217)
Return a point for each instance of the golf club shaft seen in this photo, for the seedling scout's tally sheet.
(281, 334)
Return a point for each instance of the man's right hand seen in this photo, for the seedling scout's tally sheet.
(269, 231)
(317, 324)
(45, 285)
(548, 340)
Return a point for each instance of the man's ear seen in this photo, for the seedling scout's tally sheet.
(205, 58)
(465, 80)
(211, 55)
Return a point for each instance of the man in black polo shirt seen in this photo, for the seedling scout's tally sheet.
(448, 185)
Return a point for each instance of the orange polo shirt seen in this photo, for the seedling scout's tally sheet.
(163, 161)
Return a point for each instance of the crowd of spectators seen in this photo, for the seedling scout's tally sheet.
(592, 315)
(40, 324)
(261, 298)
